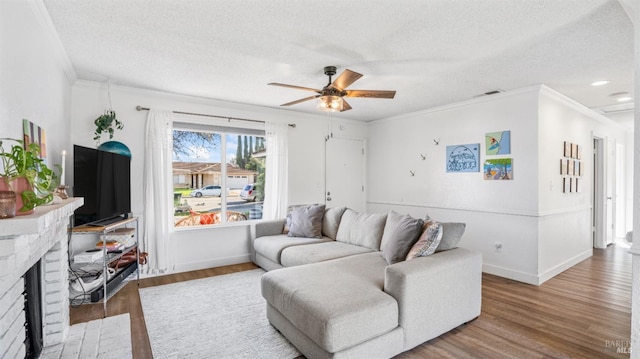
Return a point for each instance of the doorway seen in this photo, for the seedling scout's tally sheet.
(604, 188)
(345, 173)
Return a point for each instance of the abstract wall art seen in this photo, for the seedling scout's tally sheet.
(34, 134)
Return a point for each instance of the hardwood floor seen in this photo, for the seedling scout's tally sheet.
(584, 312)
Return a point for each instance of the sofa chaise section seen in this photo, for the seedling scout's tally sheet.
(333, 306)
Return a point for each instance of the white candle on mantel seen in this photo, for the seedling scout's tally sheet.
(64, 154)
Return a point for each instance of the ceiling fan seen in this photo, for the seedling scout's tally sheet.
(331, 97)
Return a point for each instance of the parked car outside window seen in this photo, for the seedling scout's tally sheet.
(248, 193)
(207, 191)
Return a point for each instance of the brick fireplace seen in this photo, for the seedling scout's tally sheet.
(24, 241)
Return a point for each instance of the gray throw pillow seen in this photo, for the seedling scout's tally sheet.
(451, 235)
(287, 224)
(306, 221)
(428, 240)
(400, 233)
(331, 221)
(361, 229)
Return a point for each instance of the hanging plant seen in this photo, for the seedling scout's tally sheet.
(106, 123)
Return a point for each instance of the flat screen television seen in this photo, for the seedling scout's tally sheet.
(104, 180)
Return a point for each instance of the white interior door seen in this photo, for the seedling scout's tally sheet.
(611, 200)
(345, 171)
(598, 200)
(604, 189)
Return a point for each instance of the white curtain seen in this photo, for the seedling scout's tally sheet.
(276, 184)
(158, 191)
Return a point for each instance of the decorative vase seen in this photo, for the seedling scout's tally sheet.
(115, 147)
(18, 186)
(7, 204)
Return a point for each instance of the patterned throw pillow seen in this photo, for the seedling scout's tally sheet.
(428, 241)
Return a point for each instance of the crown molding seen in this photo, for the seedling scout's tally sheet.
(42, 17)
(632, 9)
(577, 106)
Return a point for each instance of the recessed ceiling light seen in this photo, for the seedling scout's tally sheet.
(624, 98)
(600, 83)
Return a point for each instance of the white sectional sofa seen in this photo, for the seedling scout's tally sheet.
(338, 295)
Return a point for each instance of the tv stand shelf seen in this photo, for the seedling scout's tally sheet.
(85, 228)
(110, 283)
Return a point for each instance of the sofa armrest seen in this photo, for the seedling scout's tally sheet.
(269, 227)
(265, 228)
(435, 293)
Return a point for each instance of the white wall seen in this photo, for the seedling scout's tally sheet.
(34, 78)
(495, 211)
(542, 230)
(565, 219)
(212, 246)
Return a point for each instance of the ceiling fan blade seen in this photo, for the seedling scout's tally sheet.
(346, 78)
(294, 87)
(371, 93)
(345, 106)
(300, 100)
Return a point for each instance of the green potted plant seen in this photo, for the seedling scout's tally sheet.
(25, 173)
(106, 123)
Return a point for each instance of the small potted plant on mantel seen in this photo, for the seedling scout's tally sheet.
(26, 174)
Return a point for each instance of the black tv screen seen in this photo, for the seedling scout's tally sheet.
(104, 180)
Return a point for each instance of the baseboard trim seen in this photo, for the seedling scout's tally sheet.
(211, 263)
(564, 266)
(532, 278)
(510, 274)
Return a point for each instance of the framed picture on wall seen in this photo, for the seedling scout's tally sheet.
(563, 167)
(463, 158)
(498, 143)
(566, 185)
(574, 150)
(579, 152)
(567, 149)
(572, 167)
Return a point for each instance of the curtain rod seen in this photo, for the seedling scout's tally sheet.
(140, 108)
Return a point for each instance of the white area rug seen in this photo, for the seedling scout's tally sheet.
(216, 317)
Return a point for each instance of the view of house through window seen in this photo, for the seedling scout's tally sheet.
(218, 176)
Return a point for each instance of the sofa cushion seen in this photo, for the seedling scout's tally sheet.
(318, 252)
(338, 303)
(331, 221)
(451, 235)
(400, 233)
(361, 229)
(306, 221)
(271, 247)
(428, 240)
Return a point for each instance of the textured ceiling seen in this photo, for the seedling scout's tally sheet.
(431, 52)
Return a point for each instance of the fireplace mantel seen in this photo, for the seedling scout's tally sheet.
(42, 217)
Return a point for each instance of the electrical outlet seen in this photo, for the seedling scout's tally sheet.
(498, 246)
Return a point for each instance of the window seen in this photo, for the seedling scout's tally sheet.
(212, 166)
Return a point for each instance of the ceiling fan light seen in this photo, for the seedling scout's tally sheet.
(330, 103)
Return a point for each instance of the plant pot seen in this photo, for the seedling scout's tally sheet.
(18, 186)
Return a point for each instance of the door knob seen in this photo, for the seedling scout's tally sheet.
(328, 198)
